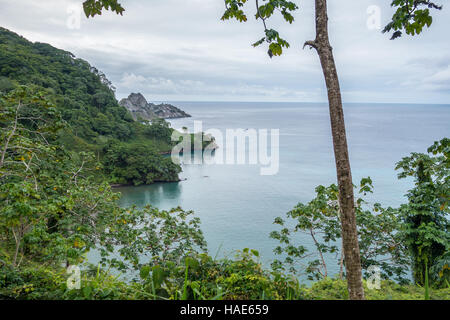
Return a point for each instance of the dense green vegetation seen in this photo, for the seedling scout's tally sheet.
(64, 140)
(54, 212)
(426, 228)
(412, 16)
(379, 236)
(414, 237)
(86, 101)
(225, 279)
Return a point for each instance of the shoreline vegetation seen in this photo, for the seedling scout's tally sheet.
(130, 148)
(66, 141)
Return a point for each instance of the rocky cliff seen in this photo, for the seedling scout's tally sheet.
(138, 106)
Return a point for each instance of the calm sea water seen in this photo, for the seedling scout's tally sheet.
(237, 205)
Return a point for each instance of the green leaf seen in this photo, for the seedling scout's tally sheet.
(144, 272)
(192, 263)
(87, 291)
(158, 276)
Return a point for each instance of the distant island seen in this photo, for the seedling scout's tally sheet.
(139, 107)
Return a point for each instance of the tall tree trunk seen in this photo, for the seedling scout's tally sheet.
(344, 176)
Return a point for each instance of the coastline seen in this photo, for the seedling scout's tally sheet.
(124, 185)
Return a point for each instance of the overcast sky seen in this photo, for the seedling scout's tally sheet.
(180, 50)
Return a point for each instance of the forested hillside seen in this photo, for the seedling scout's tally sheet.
(86, 100)
(64, 139)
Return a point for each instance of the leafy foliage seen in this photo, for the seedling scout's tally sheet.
(425, 216)
(201, 277)
(154, 237)
(411, 16)
(320, 219)
(336, 289)
(95, 7)
(41, 283)
(82, 93)
(416, 234)
(53, 211)
(29, 123)
(49, 208)
(85, 99)
(234, 9)
(138, 163)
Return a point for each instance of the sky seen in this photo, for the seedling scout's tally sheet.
(180, 50)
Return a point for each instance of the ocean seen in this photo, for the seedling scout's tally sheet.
(237, 205)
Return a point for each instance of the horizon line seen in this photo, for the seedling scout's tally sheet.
(315, 102)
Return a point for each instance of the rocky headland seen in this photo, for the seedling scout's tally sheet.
(139, 107)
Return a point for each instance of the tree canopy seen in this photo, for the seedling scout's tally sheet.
(86, 101)
(411, 17)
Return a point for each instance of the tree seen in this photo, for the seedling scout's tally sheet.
(425, 223)
(80, 93)
(138, 163)
(379, 235)
(50, 211)
(408, 17)
(323, 47)
(344, 176)
(29, 123)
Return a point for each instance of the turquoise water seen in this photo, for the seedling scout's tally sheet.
(237, 205)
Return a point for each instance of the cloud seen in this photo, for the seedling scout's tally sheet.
(174, 50)
(159, 88)
(439, 81)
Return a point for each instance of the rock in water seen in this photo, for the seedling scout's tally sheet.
(138, 106)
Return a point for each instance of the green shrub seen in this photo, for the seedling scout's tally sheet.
(336, 289)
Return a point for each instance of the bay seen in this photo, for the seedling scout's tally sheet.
(237, 205)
